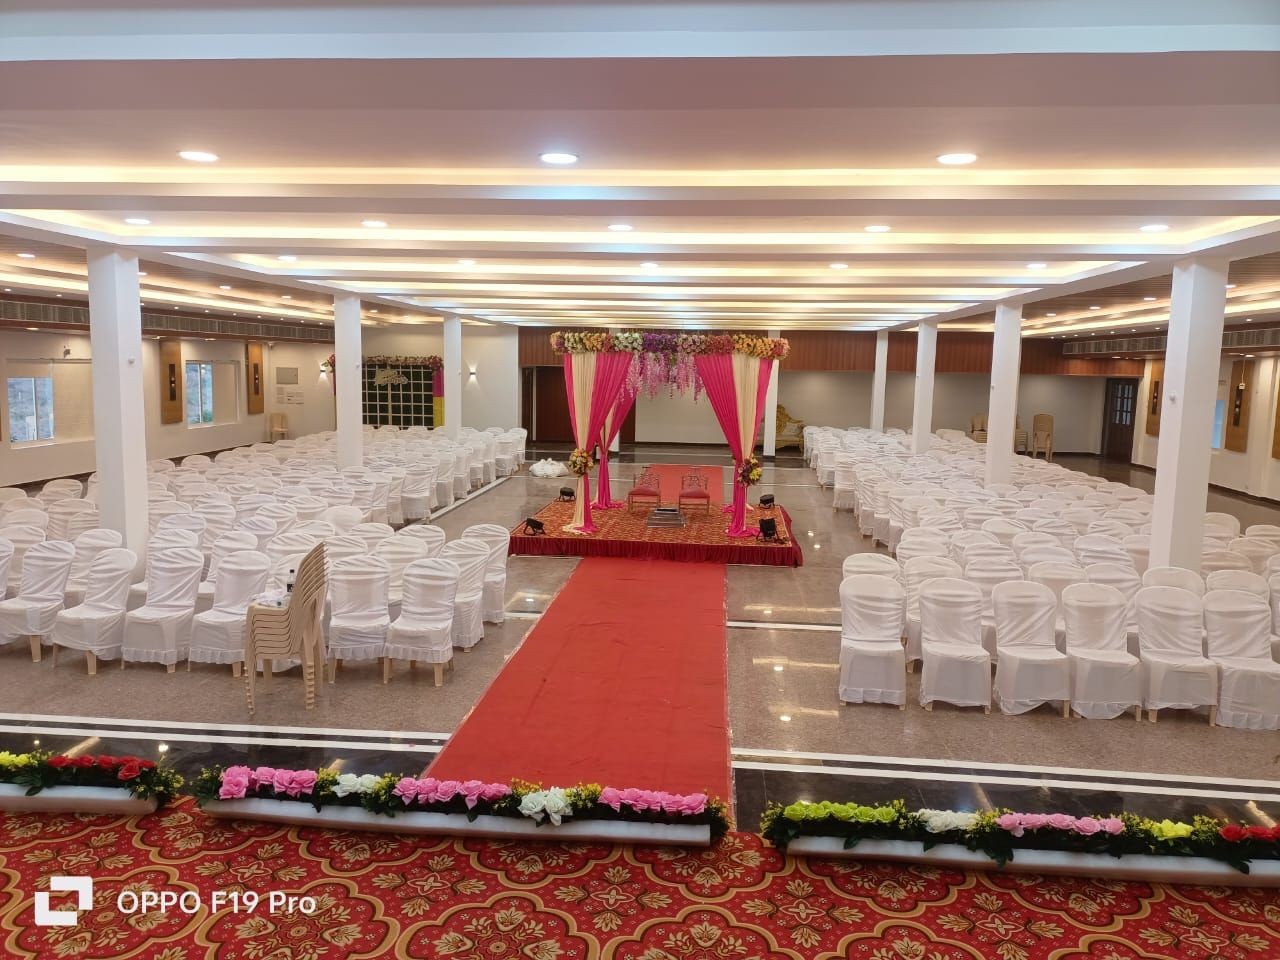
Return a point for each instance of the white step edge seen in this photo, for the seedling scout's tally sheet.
(73, 799)
(1193, 870)
(457, 824)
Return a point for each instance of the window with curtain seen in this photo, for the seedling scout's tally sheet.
(30, 409)
(199, 393)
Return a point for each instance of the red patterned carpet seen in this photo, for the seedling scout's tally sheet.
(386, 896)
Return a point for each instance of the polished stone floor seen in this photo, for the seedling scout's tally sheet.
(790, 736)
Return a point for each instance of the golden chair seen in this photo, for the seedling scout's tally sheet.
(790, 432)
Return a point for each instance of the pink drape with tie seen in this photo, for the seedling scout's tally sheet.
(736, 385)
(612, 427)
(593, 382)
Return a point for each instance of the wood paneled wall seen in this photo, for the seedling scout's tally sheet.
(172, 402)
(1239, 389)
(1155, 398)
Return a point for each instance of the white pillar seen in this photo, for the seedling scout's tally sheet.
(1002, 407)
(880, 380)
(348, 363)
(922, 412)
(770, 440)
(120, 442)
(1191, 363)
(452, 375)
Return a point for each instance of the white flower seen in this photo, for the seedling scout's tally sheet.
(349, 783)
(552, 804)
(941, 821)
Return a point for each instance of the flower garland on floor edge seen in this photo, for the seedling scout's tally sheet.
(1000, 833)
(40, 770)
(392, 793)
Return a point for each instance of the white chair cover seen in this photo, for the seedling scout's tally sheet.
(1179, 577)
(876, 564)
(27, 518)
(160, 631)
(1244, 580)
(234, 541)
(1238, 629)
(343, 518)
(96, 625)
(339, 548)
(1030, 670)
(1257, 550)
(498, 539)
(41, 591)
(358, 598)
(398, 553)
(916, 571)
(88, 545)
(371, 533)
(424, 629)
(872, 661)
(262, 528)
(957, 668)
(472, 558)
(432, 536)
(71, 517)
(1213, 558)
(418, 490)
(1171, 638)
(1106, 677)
(6, 558)
(217, 634)
(986, 573)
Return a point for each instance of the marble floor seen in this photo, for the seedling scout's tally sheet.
(790, 736)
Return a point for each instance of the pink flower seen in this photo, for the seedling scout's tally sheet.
(235, 783)
(264, 776)
(693, 804)
(495, 791)
(473, 791)
(1112, 825)
(427, 789)
(611, 797)
(406, 789)
(1034, 821)
(1061, 821)
(635, 799)
(282, 780)
(1011, 822)
(1087, 826)
(670, 802)
(302, 781)
(446, 790)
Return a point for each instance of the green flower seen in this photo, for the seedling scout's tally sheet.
(1168, 829)
(796, 811)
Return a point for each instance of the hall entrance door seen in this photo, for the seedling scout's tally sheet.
(1118, 417)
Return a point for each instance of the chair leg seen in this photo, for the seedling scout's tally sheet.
(929, 706)
(171, 668)
(439, 673)
(1213, 715)
(1137, 713)
(987, 709)
(91, 662)
(1151, 715)
(235, 668)
(35, 649)
(54, 654)
(386, 669)
(267, 670)
(1066, 709)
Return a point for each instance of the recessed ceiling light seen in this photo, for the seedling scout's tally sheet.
(286, 256)
(208, 339)
(878, 228)
(137, 221)
(1248, 355)
(785, 718)
(957, 159)
(142, 273)
(1231, 286)
(838, 266)
(8, 290)
(373, 311)
(287, 296)
(57, 294)
(224, 286)
(27, 256)
(1036, 266)
(1148, 299)
(620, 227)
(1154, 227)
(373, 224)
(1050, 314)
(1095, 307)
(198, 156)
(1246, 319)
(206, 310)
(1115, 358)
(559, 159)
(466, 263)
(649, 265)
(33, 328)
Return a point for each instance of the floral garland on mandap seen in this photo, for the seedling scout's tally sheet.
(39, 771)
(999, 833)
(750, 472)
(664, 358)
(392, 793)
(580, 461)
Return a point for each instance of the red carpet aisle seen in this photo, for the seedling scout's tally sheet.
(622, 683)
(383, 896)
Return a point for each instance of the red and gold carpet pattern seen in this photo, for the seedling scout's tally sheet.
(380, 895)
(623, 533)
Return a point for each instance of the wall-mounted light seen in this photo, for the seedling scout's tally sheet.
(473, 373)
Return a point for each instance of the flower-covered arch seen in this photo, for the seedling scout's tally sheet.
(605, 371)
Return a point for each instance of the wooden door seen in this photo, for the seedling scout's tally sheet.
(1118, 417)
(551, 405)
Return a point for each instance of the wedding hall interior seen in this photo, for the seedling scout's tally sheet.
(641, 480)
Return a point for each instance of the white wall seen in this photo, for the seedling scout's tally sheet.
(678, 419)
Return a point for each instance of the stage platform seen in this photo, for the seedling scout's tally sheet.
(623, 533)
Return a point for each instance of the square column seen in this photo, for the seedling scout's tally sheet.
(880, 380)
(770, 440)
(1191, 362)
(348, 368)
(1002, 408)
(922, 412)
(452, 374)
(120, 442)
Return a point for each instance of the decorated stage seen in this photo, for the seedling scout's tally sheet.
(624, 533)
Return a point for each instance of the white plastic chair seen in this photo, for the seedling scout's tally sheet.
(160, 631)
(872, 661)
(1106, 677)
(1030, 670)
(431, 535)
(957, 667)
(217, 634)
(1238, 629)
(472, 558)
(41, 593)
(424, 630)
(359, 621)
(96, 625)
(498, 539)
(915, 572)
(1171, 639)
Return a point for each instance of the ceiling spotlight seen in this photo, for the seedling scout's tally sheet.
(198, 156)
(142, 273)
(878, 228)
(1095, 307)
(466, 263)
(373, 224)
(224, 286)
(374, 310)
(1036, 266)
(1148, 299)
(649, 265)
(137, 221)
(57, 294)
(27, 256)
(559, 159)
(287, 296)
(838, 266)
(1154, 227)
(1050, 314)
(33, 328)
(1231, 286)
(287, 257)
(620, 227)
(957, 159)
(1246, 319)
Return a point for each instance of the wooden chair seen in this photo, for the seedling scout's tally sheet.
(1042, 435)
(978, 427)
(647, 489)
(693, 491)
(790, 431)
(292, 632)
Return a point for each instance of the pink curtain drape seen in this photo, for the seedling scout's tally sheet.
(736, 386)
(612, 426)
(593, 382)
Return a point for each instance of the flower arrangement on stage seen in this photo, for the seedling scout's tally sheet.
(392, 793)
(434, 362)
(39, 771)
(750, 472)
(580, 461)
(1000, 833)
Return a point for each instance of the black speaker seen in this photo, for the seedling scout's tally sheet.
(567, 495)
(768, 530)
(534, 527)
(766, 500)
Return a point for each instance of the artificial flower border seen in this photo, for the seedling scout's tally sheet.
(999, 834)
(392, 793)
(41, 770)
(668, 342)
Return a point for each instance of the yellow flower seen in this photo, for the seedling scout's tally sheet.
(15, 760)
(1169, 830)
